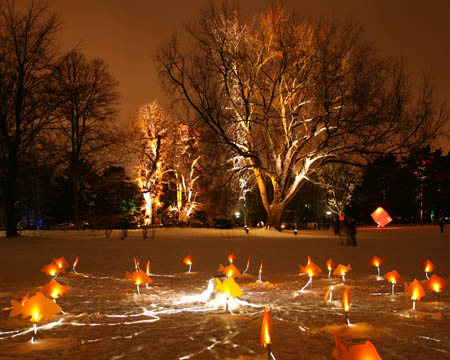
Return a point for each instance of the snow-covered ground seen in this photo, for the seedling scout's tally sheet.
(104, 318)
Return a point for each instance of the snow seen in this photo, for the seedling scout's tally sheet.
(178, 317)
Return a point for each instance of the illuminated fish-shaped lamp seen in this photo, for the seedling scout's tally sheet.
(346, 301)
(260, 271)
(139, 278)
(188, 260)
(342, 270)
(376, 262)
(54, 290)
(51, 270)
(394, 278)
(364, 351)
(39, 308)
(74, 266)
(231, 259)
(428, 267)
(416, 292)
(435, 283)
(329, 264)
(328, 298)
(230, 288)
(266, 340)
(62, 263)
(310, 270)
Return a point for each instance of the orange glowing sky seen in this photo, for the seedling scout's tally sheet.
(125, 34)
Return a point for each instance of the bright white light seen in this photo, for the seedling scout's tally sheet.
(237, 214)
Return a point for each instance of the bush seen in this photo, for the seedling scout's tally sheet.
(222, 222)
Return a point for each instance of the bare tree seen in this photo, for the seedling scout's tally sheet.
(27, 51)
(290, 96)
(87, 103)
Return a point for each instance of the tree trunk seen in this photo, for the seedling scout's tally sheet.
(274, 215)
(11, 194)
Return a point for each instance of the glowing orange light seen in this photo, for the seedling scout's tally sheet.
(51, 269)
(381, 217)
(435, 283)
(54, 289)
(416, 290)
(341, 270)
(376, 261)
(229, 287)
(147, 268)
(428, 266)
(364, 351)
(75, 263)
(393, 277)
(39, 308)
(139, 277)
(36, 317)
(329, 264)
(230, 271)
(260, 267)
(136, 263)
(310, 269)
(265, 328)
(188, 260)
(61, 263)
(231, 258)
(346, 299)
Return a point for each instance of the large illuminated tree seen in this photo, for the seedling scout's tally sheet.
(290, 96)
(153, 138)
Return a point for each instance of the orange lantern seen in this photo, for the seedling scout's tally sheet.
(61, 263)
(229, 271)
(346, 301)
(329, 264)
(376, 262)
(428, 267)
(188, 260)
(74, 266)
(139, 278)
(435, 283)
(381, 217)
(54, 289)
(364, 351)
(416, 292)
(266, 340)
(342, 270)
(231, 259)
(311, 270)
(394, 278)
(51, 269)
(260, 271)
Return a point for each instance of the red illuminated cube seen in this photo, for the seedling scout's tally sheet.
(381, 217)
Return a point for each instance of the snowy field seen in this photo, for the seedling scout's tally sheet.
(105, 318)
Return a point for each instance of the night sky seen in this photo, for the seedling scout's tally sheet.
(125, 33)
